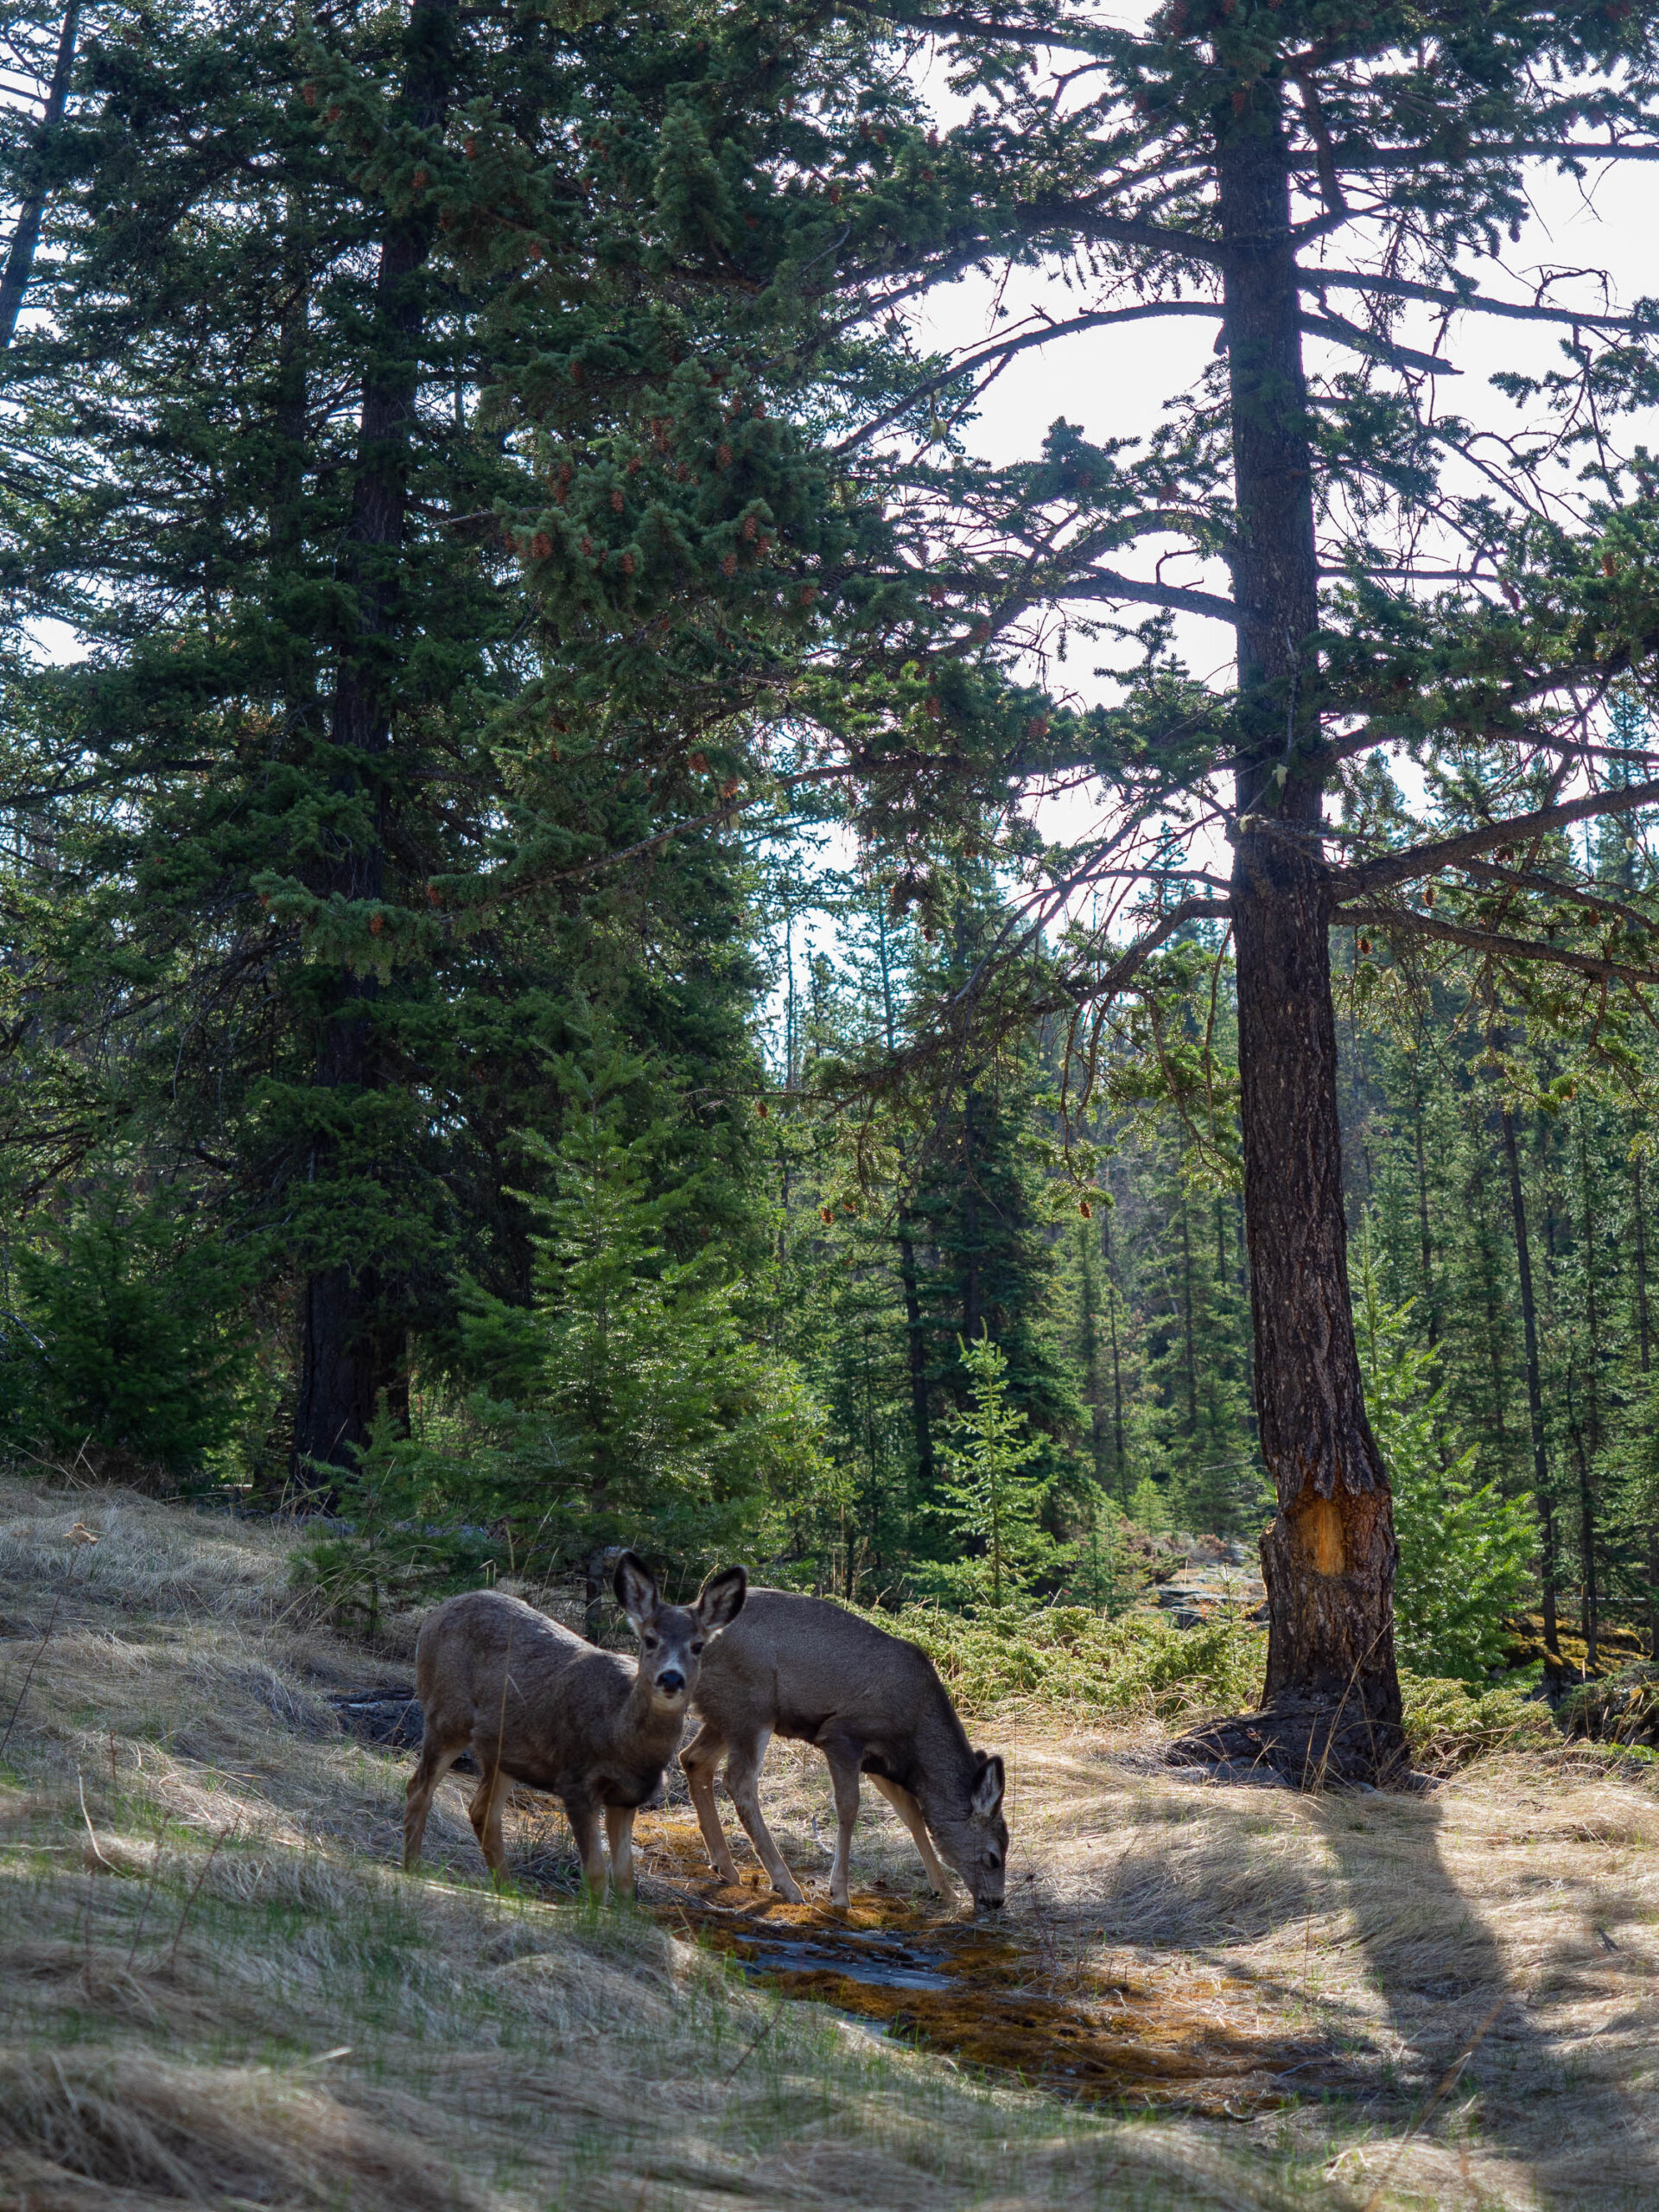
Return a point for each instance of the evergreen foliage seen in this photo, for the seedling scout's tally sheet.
(124, 1350)
(626, 1405)
(986, 1500)
(1465, 1550)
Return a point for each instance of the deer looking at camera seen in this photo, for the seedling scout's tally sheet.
(801, 1667)
(535, 1704)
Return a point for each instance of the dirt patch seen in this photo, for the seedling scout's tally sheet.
(990, 1997)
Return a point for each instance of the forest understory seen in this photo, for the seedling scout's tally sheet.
(218, 1987)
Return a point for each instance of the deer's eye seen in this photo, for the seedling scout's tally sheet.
(992, 1860)
(650, 1641)
(696, 1651)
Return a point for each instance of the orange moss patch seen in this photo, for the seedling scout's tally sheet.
(1083, 2030)
(1135, 2043)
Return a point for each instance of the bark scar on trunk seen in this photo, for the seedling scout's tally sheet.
(1317, 1526)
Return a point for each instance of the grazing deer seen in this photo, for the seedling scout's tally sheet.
(803, 1668)
(534, 1703)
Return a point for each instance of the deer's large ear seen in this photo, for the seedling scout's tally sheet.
(721, 1599)
(636, 1589)
(985, 1798)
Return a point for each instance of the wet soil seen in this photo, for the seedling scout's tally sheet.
(990, 1995)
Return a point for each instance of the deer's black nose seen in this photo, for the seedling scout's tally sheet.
(671, 1681)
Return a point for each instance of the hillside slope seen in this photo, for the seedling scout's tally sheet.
(216, 1987)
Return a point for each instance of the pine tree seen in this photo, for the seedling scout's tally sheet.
(626, 1404)
(1278, 141)
(320, 829)
(1466, 1551)
(986, 1498)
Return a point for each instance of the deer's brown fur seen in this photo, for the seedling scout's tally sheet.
(535, 1704)
(804, 1668)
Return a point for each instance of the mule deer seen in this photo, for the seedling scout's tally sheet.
(534, 1703)
(803, 1668)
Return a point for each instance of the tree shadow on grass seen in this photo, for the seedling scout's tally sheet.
(1479, 2050)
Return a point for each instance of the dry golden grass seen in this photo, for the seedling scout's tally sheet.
(216, 1987)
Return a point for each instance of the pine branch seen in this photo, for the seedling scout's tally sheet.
(1491, 941)
(1363, 161)
(1451, 852)
(1006, 349)
(1106, 583)
(1401, 288)
(1530, 879)
(1075, 993)
(958, 22)
(1337, 330)
(1039, 217)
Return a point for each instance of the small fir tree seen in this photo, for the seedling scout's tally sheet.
(397, 1541)
(987, 1500)
(1465, 1550)
(626, 1405)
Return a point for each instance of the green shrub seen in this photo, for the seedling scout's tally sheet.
(1069, 1661)
(627, 1404)
(1465, 1550)
(988, 1502)
(124, 1344)
(1621, 1709)
(1448, 1723)
(396, 1542)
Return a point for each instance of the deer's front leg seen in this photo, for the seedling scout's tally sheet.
(910, 1813)
(583, 1816)
(618, 1834)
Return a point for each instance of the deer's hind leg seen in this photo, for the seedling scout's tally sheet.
(700, 1763)
(430, 1771)
(485, 1813)
(844, 1760)
(743, 1786)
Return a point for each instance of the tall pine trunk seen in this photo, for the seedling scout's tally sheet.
(1332, 1701)
(354, 1347)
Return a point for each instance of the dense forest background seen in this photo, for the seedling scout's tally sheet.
(463, 1061)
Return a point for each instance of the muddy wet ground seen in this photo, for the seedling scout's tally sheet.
(988, 1993)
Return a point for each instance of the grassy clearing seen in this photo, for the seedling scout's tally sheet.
(216, 1987)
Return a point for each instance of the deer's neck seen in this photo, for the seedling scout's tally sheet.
(944, 1758)
(641, 1726)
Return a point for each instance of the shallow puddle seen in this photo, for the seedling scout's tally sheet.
(1079, 2025)
(884, 1966)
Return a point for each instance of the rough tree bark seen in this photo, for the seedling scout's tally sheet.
(1331, 1707)
(354, 1349)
